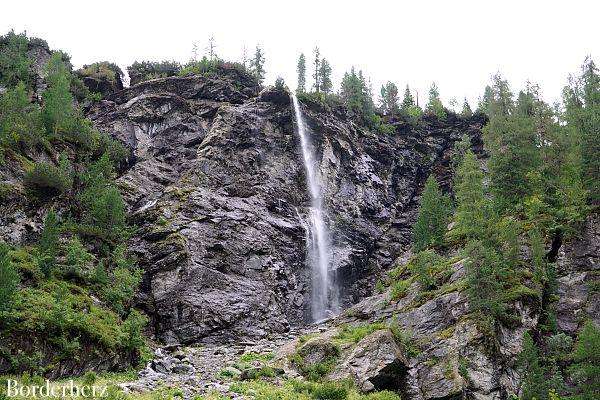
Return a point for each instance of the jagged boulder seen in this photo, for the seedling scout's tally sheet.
(376, 363)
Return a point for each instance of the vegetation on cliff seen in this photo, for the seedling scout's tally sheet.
(66, 294)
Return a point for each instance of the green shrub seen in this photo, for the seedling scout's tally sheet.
(146, 70)
(46, 181)
(14, 63)
(20, 120)
(585, 370)
(354, 334)
(9, 280)
(58, 112)
(102, 70)
(330, 391)
(434, 213)
(123, 281)
(399, 288)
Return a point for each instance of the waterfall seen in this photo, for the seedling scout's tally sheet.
(323, 302)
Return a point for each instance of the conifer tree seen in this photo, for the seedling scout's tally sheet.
(9, 279)
(325, 77)
(301, 69)
(535, 384)
(58, 109)
(408, 100)
(49, 242)
(317, 71)
(471, 207)
(388, 99)
(434, 105)
(258, 64)
(466, 110)
(586, 363)
(433, 216)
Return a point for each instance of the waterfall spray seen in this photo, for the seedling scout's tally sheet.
(323, 302)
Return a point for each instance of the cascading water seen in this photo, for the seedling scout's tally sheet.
(323, 301)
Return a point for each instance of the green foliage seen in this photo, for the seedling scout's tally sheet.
(535, 382)
(485, 276)
(356, 95)
(103, 70)
(354, 334)
(20, 120)
(14, 64)
(9, 280)
(123, 282)
(258, 64)
(425, 266)
(513, 147)
(466, 110)
(434, 105)
(325, 77)
(408, 101)
(301, 69)
(279, 84)
(46, 180)
(58, 113)
(49, 242)
(389, 99)
(147, 70)
(472, 210)
(585, 370)
(434, 212)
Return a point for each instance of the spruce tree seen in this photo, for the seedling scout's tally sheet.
(58, 112)
(585, 370)
(535, 385)
(301, 69)
(434, 105)
(9, 279)
(317, 71)
(466, 110)
(433, 216)
(388, 99)
(408, 101)
(325, 77)
(471, 205)
(258, 64)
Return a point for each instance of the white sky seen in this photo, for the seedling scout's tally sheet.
(458, 44)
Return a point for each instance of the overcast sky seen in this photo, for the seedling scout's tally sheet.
(457, 44)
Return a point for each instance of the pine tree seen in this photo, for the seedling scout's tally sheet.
(20, 120)
(317, 71)
(301, 69)
(433, 216)
(535, 384)
(485, 284)
(356, 96)
(48, 244)
(258, 64)
(58, 112)
(9, 279)
(408, 101)
(590, 129)
(389, 99)
(325, 77)
(211, 48)
(14, 63)
(466, 110)
(586, 363)
(434, 105)
(471, 205)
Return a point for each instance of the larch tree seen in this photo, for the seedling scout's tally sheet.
(301, 69)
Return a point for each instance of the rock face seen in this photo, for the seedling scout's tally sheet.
(578, 270)
(217, 189)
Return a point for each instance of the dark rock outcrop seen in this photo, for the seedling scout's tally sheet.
(216, 187)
